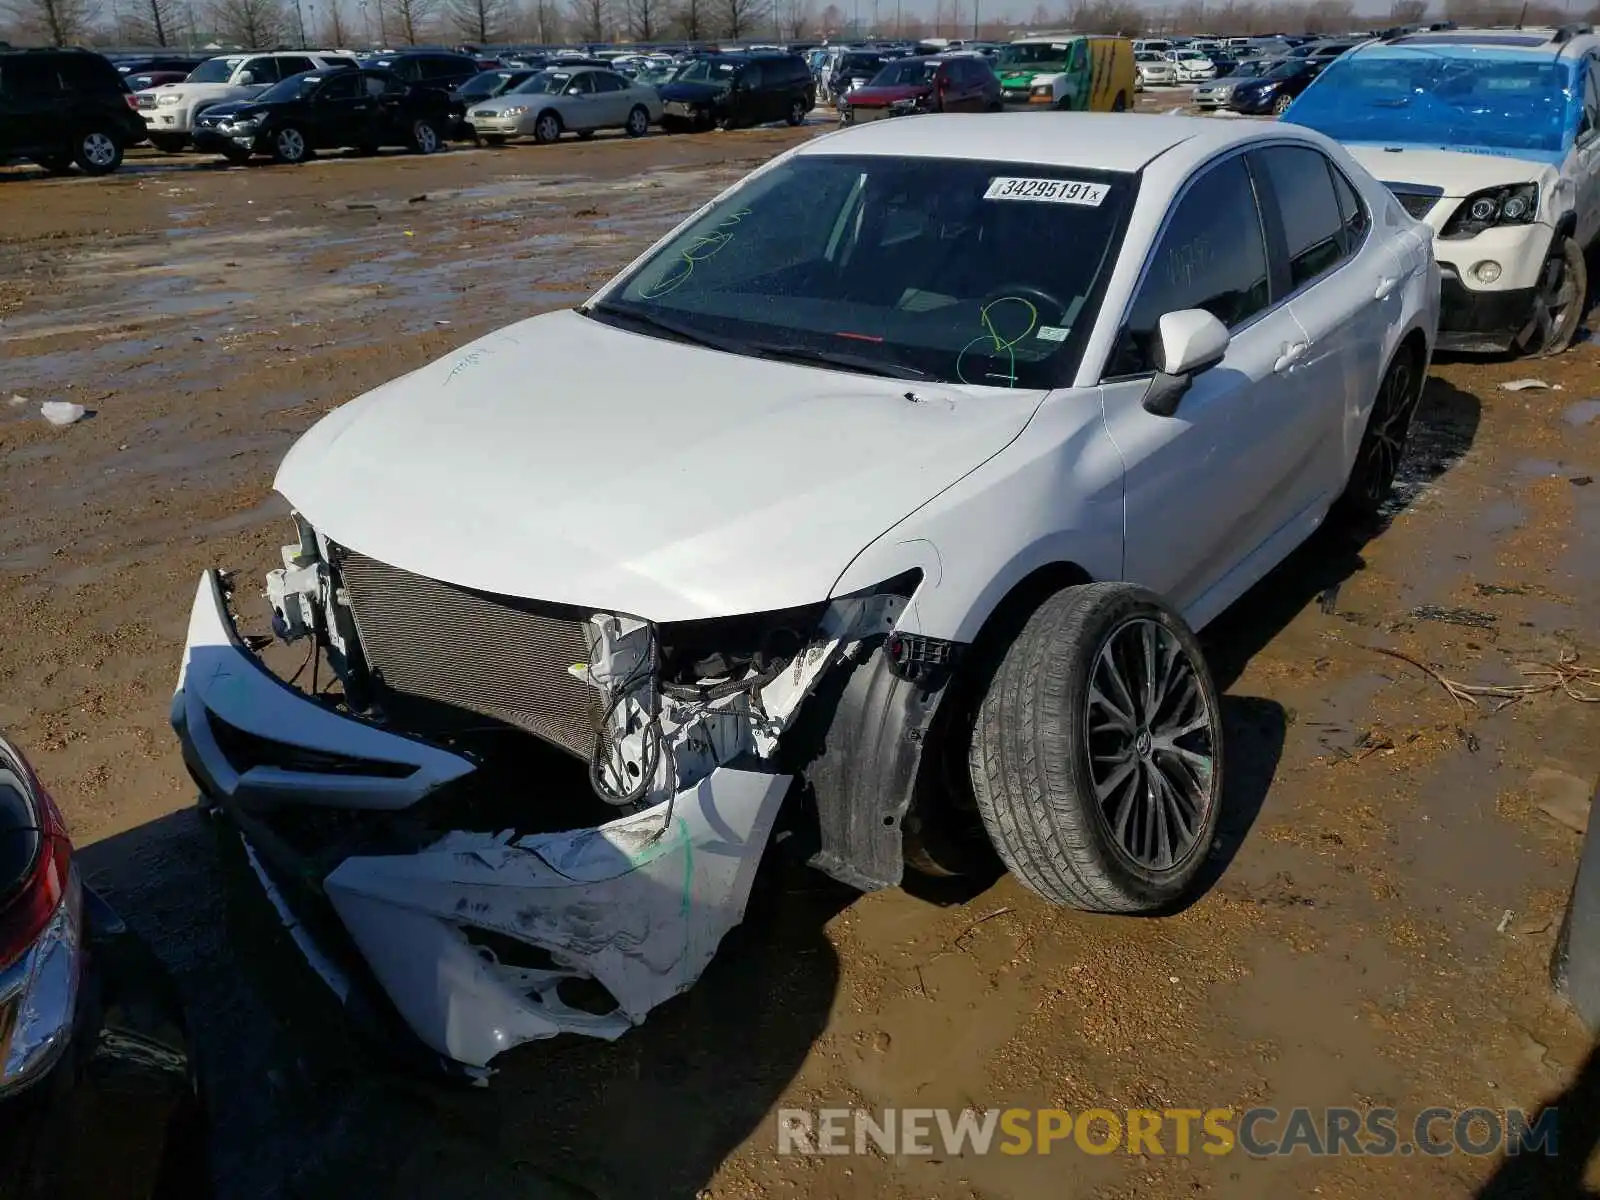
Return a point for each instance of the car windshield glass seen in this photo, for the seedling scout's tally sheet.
(545, 83)
(861, 62)
(1029, 54)
(901, 74)
(1287, 70)
(215, 70)
(708, 70)
(296, 87)
(484, 83)
(1499, 101)
(1146, 56)
(943, 269)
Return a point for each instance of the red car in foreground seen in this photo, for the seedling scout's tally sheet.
(942, 83)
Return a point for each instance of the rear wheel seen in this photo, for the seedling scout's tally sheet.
(97, 152)
(1096, 756)
(1120, 104)
(797, 112)
(424, 137)
(1384, 441)
(1558, 302)
(289, 145)
(638, 122)
(725, 123)
(547, 128)
(1281, 105)
(169, 143)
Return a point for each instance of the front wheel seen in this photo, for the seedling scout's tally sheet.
(724, 123)
(638, 122)
(1096, 755)
(1383, 443)
(797, 112)
(547, 129)
(289, 145)
(97, 152)
(1281, 105)
(1558, 301)
(1120, 104)
(425, 138)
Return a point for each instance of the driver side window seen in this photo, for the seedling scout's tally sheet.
(1211, 255)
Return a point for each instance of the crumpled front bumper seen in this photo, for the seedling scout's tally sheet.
(477, 938)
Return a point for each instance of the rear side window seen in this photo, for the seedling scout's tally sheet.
(1313, 227)
(1212, 255)
(751, 77)
(343, 86)
(264, 70)
(25, 77)
(88, 73)
(1352, 212)
(294, 64)
(605, 81)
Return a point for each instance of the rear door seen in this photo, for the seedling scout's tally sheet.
(31, 108)
(339, 111)
(390, 114)
(612, 98)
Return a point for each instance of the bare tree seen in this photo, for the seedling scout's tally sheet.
(411, 20)
(740, 18)
(832, 20)
(796, 19)
(480, 21)
(643, 19)
(1407, 12)
(590, 19)
(333, 32)
(255, 24)
(58, 22)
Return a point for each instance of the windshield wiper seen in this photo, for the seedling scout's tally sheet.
(610, 313)
(835, 358)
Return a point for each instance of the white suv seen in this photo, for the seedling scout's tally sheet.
(169, 110)
(1493, 138)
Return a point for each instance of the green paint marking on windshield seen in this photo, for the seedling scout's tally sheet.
(997, 342)
(702, 248)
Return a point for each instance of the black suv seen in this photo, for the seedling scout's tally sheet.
(428, 68)
(729, 90)
(60, 107)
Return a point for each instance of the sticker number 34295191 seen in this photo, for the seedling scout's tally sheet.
(1047, 191)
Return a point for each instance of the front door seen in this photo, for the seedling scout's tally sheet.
(1586, 157)
(1200, 491)
(581, 107)
(340, 111)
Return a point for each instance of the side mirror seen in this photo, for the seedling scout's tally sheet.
(1189, 341)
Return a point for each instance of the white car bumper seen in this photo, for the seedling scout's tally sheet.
(637, 905)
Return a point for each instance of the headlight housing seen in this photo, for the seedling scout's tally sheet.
(516, 110)
(1517, 204)
(167, 100)
(41, 923)
(1041, 89)
(247, 126)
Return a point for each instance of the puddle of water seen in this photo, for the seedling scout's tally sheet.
(1501, 517)
(1539, 467)
(1581, 413)
(1440, 436)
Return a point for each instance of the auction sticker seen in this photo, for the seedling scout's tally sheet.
(1047, 191)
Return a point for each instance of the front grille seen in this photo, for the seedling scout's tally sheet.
(1415, 199)
(494, 656)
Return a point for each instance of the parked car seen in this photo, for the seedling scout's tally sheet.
(559, 100)
(1215, 93)
(170, 110)
(731, 90)
(1493, 138)
(854, 69)
(485, 85)
(324, 110)
(60, 107)
(1099, 77)
(1154, 70)
(1275, 89)
(428, 68)
(946, 83)
(149, 79)
(985, 576)
(97, 1095)
(1192, 66)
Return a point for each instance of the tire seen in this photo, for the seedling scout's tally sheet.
(169, 143)
(847, 116)
(547, 128)
(424, 137)
(724, 123)
(494, 139)
(797, 112)
(1559, 302)
(638, 122)
(1383, 442)
(995, 106)
(97, 152)
(1281, 105)
(1120, 104)
(1036, 763)
(290, 145)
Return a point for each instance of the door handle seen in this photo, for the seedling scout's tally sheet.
(1293, 352)
(1386, 286)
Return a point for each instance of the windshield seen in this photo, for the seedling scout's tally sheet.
(296, 87)
(952, 270)
(543, 83)
(861, 62)
(1147, 56)
(708, 70)
(1034, 54)
(215, 70)
(1287, 70)
(1467, 98)
(901, 74)
(484, 84)
(1252, 69)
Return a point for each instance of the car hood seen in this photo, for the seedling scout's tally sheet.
(1458, 172)
(509, 100)
(691, 92)
(200, 91)
(565, 460)
(238, 108)
(877, 97)
(1022, 74)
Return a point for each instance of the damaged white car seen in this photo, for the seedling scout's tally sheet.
(844, 526)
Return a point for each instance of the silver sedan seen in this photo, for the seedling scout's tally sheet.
(560, 100)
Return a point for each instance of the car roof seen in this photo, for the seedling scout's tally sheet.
(1121, 142)
(1574, 39)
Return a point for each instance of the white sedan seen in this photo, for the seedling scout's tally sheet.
(921, 453)
(1192, 66)
(559, 100)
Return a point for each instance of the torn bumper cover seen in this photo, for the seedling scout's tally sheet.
(474, 937)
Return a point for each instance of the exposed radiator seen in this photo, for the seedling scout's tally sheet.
(496, 656)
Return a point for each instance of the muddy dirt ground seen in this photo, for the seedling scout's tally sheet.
(1353, 946)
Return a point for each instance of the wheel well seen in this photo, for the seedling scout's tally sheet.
(550, 112)
(1567, 225)
(1026, 595)
(1415, 344)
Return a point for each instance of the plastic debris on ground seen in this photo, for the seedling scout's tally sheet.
(18, 400)
(61, 412)
(1525, 385)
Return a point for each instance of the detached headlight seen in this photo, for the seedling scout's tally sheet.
(167, 100)
(1517, 204)
(516, 110)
